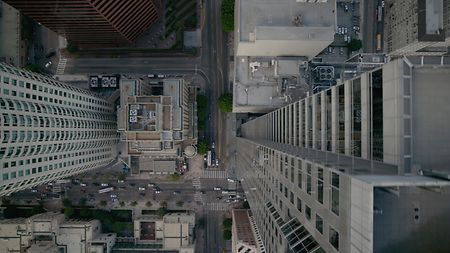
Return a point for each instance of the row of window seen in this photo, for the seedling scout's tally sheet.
(14, 136)
(25, 106)
(41, 149)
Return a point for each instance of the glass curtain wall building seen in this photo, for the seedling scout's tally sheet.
(50, 130)
(360, 167)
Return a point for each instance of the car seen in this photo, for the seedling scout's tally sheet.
(225, 192)
(83, 184)
(217, 188)
(161, 76)
(51, 54)
(213, 145)
(104, 184)
(141, 188)
(113, 196)
(48, 64)
(344, 30)
(151, 75)
(231, 180)
(341, 51)
(120, 181)
(219, 198)
(151, 185)
(176, 192)
(339, 30)
(356, 28)
(157, 191)
(227, 200)
(346, 7)
(34, 190)
(217, 162)
(202, 192)
(96, 184)
(132, 184)
(115, 200)
(382, 4)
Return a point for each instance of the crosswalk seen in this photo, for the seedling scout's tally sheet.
(198, 197)
(197, 183)
(61, 66)
(214, 174)
(217, 206)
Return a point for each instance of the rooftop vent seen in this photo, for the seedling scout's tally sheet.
(297, 20)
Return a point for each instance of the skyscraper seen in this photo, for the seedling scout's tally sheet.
(92, 23)
(360, 167)
(50, 130)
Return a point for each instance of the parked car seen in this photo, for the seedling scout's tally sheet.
(161, 76)
(51, 54)
(157, 191)
(151, 75)
(120, 181)
(104, 184)
(176, 192)
(113, 196)
(83, 184)
(141, 188)
(231, 180)
(151, 185)
(48, 64)
(217, 189)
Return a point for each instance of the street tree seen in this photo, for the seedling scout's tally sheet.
(148, 204)
(246, 205)
(122, 204)
(226, 102)
(227, 15)
(354, 45)
(163, 204)
(161, 211)
(202, 147)
(134, 203)
(227, 223)
(103, 203)
(68, 212)
(227, 234)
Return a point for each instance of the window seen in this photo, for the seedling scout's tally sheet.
(320, 185)
(292, 197)
(334, 238)
(308, 179)
(319, 224)
(299, 204)
(334, 193)
(5, 176)
(307, 212)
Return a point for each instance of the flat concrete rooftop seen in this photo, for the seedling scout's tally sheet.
(280, 13)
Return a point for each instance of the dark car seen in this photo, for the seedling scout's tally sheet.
(51, 54)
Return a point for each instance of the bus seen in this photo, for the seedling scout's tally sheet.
(107, 189)
(378, 42)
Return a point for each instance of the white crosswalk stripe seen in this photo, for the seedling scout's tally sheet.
(196, 183)
(214, 174)
(198, 197)
(217, 206)
(61, 66)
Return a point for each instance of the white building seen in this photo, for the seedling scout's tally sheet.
(50, 130)
(51, 233)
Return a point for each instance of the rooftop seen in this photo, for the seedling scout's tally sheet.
(278, 15)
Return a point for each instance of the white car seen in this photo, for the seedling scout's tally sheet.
(161, 76)
(217, 189)
(224, 192)
(141, 188)
(344, 30)
(230, 180)
(48, 64)
(104, 185)
(151, 76)
(120, 181)
(113, 196)
(157, 191)
(83, 184)
(151, 185)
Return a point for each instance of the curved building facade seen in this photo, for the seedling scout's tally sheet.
(50, 130)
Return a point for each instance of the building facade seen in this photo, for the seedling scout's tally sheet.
(155, 129)
(347, 169)
(52, 233)
(50, 130)
(93, 23)
(244, 233)
(417, 27)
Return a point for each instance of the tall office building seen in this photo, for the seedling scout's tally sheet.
(50, 130)
(93, 23)
(417, 27)
(360, 167)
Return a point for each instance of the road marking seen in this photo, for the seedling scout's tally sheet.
(214, 174)
(61, 66)
(198, 197)
(217, 206)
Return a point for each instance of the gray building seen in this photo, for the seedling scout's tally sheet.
(417, 27)
(156, 129)
(359, 167)
(50, 130)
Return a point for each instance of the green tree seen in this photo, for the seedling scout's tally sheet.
(85, 212)
(122, 204)
(227, 234)
(161, 211)
(33, 68)
(148, 204)
(134, 203)
(82, 202)
(180, 203)
(246, 205)
(67, 202)
(121, 176)
(174, 177)
(163, 204)
(202, 110)
(354, 45)
(71, 47)
(202, 146)
(227, 223)
(103, 203)
(226, 102)
(68, 212)
(227, 15)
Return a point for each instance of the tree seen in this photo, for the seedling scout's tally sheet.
(202, 147)
(163, 204)
(354, 45)
(227, 223)
(68, 212)
(148, 204)
(227, 234)
(33, 68)
(202, 110)
(227, 15)
(85, 212)
(161, 211)
(67, 202)
(226, 102)
(180, 203)
(71, 47)
(121, 203)
(246, 205)
(103, 203)
(121, 176)
(134, 203)
(82, 202)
